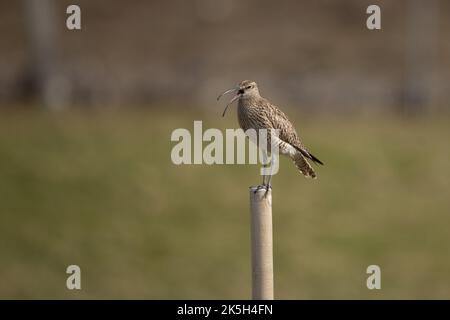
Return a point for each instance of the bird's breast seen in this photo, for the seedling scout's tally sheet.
(250, 116)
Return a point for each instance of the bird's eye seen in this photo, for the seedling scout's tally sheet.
(248, 87)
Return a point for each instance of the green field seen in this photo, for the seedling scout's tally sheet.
(99, 190)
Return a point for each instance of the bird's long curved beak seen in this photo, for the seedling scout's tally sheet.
(227, 91)
(231, 101)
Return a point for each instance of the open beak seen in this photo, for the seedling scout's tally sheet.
(232, 100)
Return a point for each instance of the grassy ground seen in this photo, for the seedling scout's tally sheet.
(100, 191)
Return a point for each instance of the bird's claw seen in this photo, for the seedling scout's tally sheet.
(263, 186)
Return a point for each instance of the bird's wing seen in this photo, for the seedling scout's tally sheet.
(287, 131)
(281, 122)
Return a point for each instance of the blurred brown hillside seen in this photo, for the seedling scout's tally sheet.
(310, 54)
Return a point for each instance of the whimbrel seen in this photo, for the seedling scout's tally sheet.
(256, 112)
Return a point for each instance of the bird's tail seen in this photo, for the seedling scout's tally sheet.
(302, 164)
(308, 155)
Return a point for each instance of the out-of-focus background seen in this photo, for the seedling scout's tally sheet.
(86, 176)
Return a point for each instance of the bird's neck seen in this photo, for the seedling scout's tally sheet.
(249, 103)
(249, 100)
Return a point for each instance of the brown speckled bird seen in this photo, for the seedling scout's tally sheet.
(256, 112)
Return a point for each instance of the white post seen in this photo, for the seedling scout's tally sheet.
(261, 245)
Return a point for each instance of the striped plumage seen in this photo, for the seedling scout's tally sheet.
(256, 112)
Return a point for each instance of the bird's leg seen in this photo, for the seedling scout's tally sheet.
(263, 185)
(265, 164)
(268, 186)
(269, 177)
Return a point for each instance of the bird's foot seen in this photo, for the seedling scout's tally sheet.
(267, 187)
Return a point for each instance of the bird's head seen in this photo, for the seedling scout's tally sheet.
(244, 90)
(248, 89)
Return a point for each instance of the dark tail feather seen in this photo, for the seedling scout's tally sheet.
(315, 160)
(309, 156)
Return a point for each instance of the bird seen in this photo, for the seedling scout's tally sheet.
(256, 112)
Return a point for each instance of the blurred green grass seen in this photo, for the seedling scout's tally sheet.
(99, 190)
